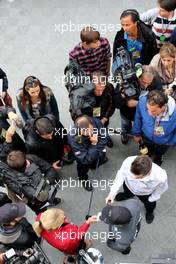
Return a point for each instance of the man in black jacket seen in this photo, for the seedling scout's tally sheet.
(45, 138)
(148, 81)
(88, 139)
(15, 231)
(30, 172)
(136, 37)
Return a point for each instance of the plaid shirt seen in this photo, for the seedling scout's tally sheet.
(90, 61)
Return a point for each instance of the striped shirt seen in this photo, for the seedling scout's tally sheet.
(93, 60)
(162, 26)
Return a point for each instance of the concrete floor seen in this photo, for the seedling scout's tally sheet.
(32, 44)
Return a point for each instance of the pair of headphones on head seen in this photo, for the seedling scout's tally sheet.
(132, 12)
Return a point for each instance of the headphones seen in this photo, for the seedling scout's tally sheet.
(132, 12)
(138, 68)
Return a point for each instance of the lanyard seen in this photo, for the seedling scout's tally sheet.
(165, 29)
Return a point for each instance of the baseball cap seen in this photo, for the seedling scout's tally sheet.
(10, 211)
(117, 215)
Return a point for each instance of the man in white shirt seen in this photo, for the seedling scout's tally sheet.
(142, 178)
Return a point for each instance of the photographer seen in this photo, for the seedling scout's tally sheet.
(15, 231)
(46, 137)
(99, 105)
(30, 170)
(87, 140)
(148, 80)
(136, 37)
(9, 139)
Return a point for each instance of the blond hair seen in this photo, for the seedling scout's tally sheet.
(51, 219)
(168, 49)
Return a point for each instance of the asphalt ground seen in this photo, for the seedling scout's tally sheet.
(35, 38)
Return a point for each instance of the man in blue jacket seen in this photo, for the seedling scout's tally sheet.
(155, 123)
(88, 139)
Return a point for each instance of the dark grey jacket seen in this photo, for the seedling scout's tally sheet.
(126, 234)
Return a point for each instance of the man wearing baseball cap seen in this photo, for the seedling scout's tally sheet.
(15, 231)
(124, 224)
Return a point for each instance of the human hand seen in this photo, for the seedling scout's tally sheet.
(168, 91)
(132, 103)
(104, 120)
(56, 165)
(10, 132)
(94, 139)
(92, 219)
(137, 138)
(109, 199)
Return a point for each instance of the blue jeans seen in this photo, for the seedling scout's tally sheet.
(126, 125)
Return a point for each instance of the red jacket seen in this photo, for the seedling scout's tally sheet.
(66, 238)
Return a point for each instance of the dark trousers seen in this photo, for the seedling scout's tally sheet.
(149, 206)
(155, 149)
(83, 169)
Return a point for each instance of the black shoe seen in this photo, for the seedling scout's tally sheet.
(67, 160)
(149, 217)
(120, 197)
(110, 143)
(56, 201)
(158, 160)
(70, 259)
(87, 185)
(124, 139)
(102, 161)
(126, 251)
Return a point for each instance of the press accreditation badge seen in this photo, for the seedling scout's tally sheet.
(159, 131)
(3, 133)
(96, 111)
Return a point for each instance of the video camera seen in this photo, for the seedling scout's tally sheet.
(76, 77)
(124, 74)
(34, 255)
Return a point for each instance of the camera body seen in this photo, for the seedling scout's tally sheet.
(34, 255)
(124, 74)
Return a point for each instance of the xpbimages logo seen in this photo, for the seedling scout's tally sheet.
(72, 27)
(74, 131)
(72, 183)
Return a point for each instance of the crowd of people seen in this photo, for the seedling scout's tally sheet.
(30, 165)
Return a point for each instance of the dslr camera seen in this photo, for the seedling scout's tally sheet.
(34, 255)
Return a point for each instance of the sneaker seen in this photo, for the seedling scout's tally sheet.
(87, 185)
(126, 251)
(124, 139)
(158, 160)
(120, 197)
(110, 143)
(149, 217)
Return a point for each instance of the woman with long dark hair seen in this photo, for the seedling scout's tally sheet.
(35, 99)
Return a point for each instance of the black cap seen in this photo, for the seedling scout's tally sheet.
(116, 215)
(10, 211)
